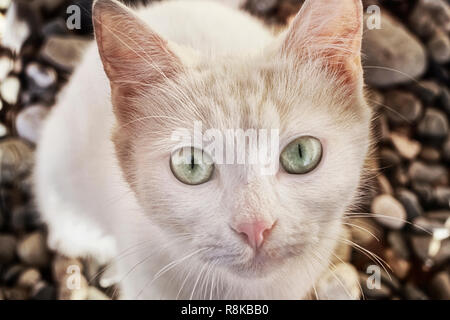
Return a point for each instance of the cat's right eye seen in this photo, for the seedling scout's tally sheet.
(191, 165)
(301, 155)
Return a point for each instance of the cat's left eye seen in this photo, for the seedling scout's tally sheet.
(191, 165)
(301, 155)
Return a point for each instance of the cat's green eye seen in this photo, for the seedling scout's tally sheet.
(301, 155)
(191, 165)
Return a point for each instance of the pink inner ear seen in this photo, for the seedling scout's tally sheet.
(329, 30)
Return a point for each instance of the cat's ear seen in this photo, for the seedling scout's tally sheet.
(329, 30)
(133, 55)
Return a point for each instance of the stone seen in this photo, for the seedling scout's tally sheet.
(430, 154)
(401, 177)
(446, 149)
(422, 247)
(32, 250)
(442, 196)
(433, 125)
(410, 202)
(389, 159)
(29, 122)
(29, 278)
(406, 147)
(261, 6)
(40, 76)
(439, 47)
(444, 100)
(398, 244)
(64, 52)
(6, 66)
(19, 29)
(365, 232)
(426, 225)
(43, 291)
(9, 89)
(440, 286)
(439, 215)
(429, 16)
(404, 107)
(8, 245)
(384, 184)
(411, 292)
(399, 266)
(12, 273)
(24, 218)
(388, 211)
(429, 174)
(73, 288)
(427, 90)
(393, 54)
(15, 293)
(339, 283)
(16, 160)
(424, 191)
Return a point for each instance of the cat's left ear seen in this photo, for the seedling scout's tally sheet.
(329, 30)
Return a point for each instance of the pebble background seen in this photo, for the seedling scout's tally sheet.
(407, 70)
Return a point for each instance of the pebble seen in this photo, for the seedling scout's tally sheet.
(384, 184)
(410, 202)
(8, 246)
(398, 244)
(9, 89)
(427, 90)
(389, 211)
(392, 47)
(440, 286)
(29, 278)
(261, 6)
(29, 122)
(73, 287)
(406, 147)
(43, 291)
(444, 100)
(41, 76)
(63, 266)
(442, 196)
(404, 107)
(346, 288)
(401, 177)
(446, 149)
(399, 266)
(32, 250)
(424, 191)
(433, 125)
(429, 16)
(430, 154)
(12, 273)
(389, 159)
(440, 215)
(421, 245)
(6, 66)
(15, 293)
(429, 174)
(373, 290)
(63, 51)
(439, 47)
(426, 225)
(411, 292)
(16, 159)
(19, 29)
(24, 218)
(366, 232)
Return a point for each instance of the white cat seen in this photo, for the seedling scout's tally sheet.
(107, 183)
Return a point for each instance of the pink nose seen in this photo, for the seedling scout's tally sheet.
(254, 232)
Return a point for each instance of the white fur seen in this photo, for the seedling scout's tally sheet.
(91, 210)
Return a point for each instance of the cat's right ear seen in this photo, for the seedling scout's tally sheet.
(134, 57)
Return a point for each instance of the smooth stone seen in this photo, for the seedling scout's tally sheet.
(63, 266)
(19, 29)
(439, 47)
(12, 273)
(6, 66)
(439, 215)
(16, 159)
(8, 244)
(3, 130)
(401, 177)
(371, 290)
(389, 159)
(440, 286)
(43, 291)
(411, 292)
(63, 51)
(430, 154)
(424, 191)
(442, 196)
(346, 288)
(429, 174)
(427, 90)
(24, 218)
(410, 202)
(261, 6)
(365, 232)
(433, 125)
(446, 149)
(29, 278)
(32, 250)
(429, 16)
(406, 147)
(40, 75)
(426, 225)
(421, 246)
(384, 184)
(29, 122)
(390, 48)
(394, 214)
(404, 107)
(444, 100)
(397, 242)
(15, 293)
(400, 266)
(9, 89)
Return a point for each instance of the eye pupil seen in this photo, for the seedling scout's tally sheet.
(300, 151)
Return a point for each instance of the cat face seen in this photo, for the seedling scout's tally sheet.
(307, 89)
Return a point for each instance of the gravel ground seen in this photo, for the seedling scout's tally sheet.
(407, 71)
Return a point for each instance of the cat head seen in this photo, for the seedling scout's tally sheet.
(306, 86)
